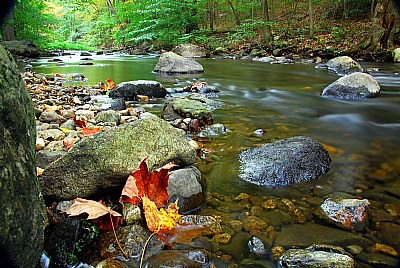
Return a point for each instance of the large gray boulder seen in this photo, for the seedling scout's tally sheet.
(170, 62)
(105, 160)
(131, 89)
(342, 65)
(283, 162)
(190, 51)
(353, 86)
(22, 48)
(21, 213)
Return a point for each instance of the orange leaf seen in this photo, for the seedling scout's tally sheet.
(87, 132)
(160, 221)
(183, 234)
(110, 84)
(95, 210)
(39, 171)
(79, 123)
(144, 183)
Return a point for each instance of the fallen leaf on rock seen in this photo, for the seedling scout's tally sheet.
(79, 123)
(110, 84)
(96, 211)
(144, 183)
(39, 171)
(66, 130)
(160, 221)
(87, 132)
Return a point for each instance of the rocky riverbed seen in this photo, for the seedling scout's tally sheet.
(316, 228)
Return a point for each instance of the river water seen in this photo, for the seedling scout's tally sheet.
(363, 136)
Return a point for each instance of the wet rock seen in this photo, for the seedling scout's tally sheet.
(51, 134)
(190, 51)
(283, 162)
(111, 263)
(188, 187)
(314, 258)
(131, 89)
(273, 60)
(51, 117)
(179, 258)
(378, 260)
(342, 65)
(252, 223)
(386, 231)
(353, 86)
(109, 116)
(303, 235)
(132, 240)
(22, 48)
(45, 157)
(69, 124)
(85, 54)
(384, 249)
(351, 213)
(193, 106)
(222, 238)
(238, 247)
(170, 62)
(214, 130)
(256, 245)
(211, 224)
(21, 216)
(106, 159)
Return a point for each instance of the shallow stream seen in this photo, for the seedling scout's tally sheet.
(363, 137)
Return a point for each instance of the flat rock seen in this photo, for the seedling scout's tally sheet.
(190, 51)
(353, 86)
(170, 62)
(292, 160)
(106, 159)
(303, 235)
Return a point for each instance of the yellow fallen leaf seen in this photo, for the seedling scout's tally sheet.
(66, 130)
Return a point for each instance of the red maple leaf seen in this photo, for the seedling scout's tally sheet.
(110, 84)
(79, 123)
(144, 183)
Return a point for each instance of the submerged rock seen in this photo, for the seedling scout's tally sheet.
(170, 62)
(283, 162)
(314, 258)
(342, 65)
(106, 159)
(131, 89)
(353, 86)
(179, 258)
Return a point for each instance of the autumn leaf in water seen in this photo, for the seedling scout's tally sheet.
(160, 221)
(110, 84)
(96, 211)
(144, 183)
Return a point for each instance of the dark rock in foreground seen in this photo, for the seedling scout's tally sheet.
(353, 86)
(21, 213)
(105, 160)
(170, 62)
(131, 89)
(292, 160)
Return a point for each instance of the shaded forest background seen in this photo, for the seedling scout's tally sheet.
(297, 25)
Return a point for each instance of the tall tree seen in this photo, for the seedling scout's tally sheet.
(266, 30)
(310, 15)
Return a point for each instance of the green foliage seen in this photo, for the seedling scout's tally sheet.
(65, 45)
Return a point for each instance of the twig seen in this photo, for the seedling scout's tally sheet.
(116, 238)
(144, 250)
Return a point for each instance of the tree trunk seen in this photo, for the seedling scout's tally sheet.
(385, 17)
(237, 19)
(211, 14)
(266, 31)
(310, 14)
(8, 29)
(192, 20)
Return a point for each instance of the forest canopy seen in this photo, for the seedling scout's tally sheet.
(84, 24)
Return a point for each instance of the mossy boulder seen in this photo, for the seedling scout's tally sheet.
(171, 62)
(105, 160)
(21, 213)
(342, 65)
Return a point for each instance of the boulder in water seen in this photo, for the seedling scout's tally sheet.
(292, 160)
(190, 51)
(131, 89)
(105, 160)
(342, 65)
(353, 86)
(170, 62)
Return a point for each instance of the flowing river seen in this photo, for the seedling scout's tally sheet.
(363, 136)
